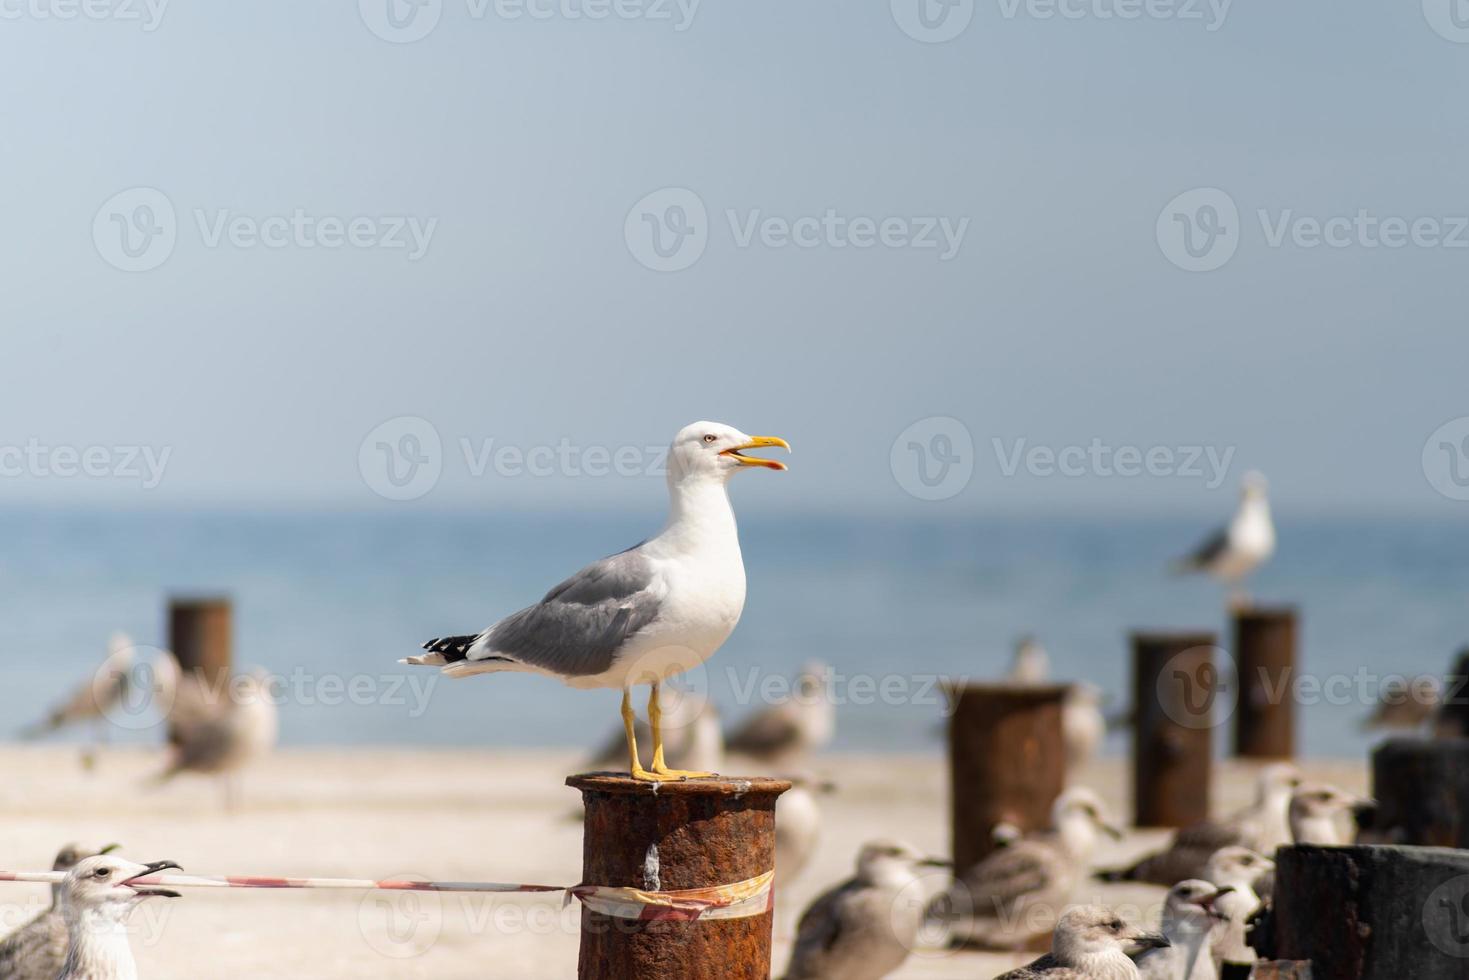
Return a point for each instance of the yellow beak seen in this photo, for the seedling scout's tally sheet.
(737, 452)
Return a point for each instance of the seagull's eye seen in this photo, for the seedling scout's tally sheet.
(1116, 925)
(101, 873)
(709, 438)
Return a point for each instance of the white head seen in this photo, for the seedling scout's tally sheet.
(1237, 866)
(1089, 937)
(714, 451)
(1079, 815)
(1317, 812)
(891, 863)
(1276, 782)
(1031, 663)
(68, 856)
(811, 683)
(1253, 486)
(106, 886)
(1192, 902)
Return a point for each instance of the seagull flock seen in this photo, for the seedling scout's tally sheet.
(646, 615)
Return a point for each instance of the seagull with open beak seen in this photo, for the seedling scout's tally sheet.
(96, 897)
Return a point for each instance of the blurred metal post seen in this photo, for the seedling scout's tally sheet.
(669, 837)
(1175, 680)
(200, 634)
(1007, 763)
(1422, 791)
(1265, 656)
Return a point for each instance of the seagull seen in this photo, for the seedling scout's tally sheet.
(1241, 546)
(797, 827)
(1247, 875)
(1318, 813)
(91, 702)
(222, 739)
(1091, 943)
(1083, 725)
(1030, 664)
(864, 928)
(801, 723)
(1406, 705)
(1189, 917)
(994, 904)
(36, 950)
(1261, 827)
(96, 897)
(644, 614)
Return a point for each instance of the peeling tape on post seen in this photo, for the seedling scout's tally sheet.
(736, 901)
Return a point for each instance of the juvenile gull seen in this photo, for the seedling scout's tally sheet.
(90, 702)
(992, 904)
(1241, 546)
(37, 949)
(96, 897)
(1406, 705)
(1030, 664)
(225, 737)
(642, 615)
(1261, 826)
(1091, 942)
(865, 927)
(1319, 814)
(1189, 918)
(797, 725)
(1245, 873)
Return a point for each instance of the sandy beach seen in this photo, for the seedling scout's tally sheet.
(482, 815)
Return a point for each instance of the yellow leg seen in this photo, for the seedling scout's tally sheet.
(634, 767)
(655, 721)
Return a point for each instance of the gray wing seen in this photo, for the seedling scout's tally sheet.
(1209, 552)
(996, 882)
(821, 927)
(1186, 855)
(766, 733)
(1046, 967)
(578, 627)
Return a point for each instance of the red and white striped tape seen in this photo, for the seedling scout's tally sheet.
(734, 901)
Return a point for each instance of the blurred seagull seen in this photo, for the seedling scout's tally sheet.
(800, 724)
(1406, 705)
(96, 897)
(1083, 725)
(1091, 943)
(37, 949)
(1241, 546)
(225, 737)
(1030, 664)
(1319, 814)
(990, 903)
(642, 615)
(797, 827)
(1189, 917)
(91, 702)
(1261, 827)
(1247, 875)
(864, 928)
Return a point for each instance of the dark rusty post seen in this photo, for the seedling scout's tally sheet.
(668, 837)
(1007, 763)
(200, 634)
(1373, 912)
(1422, 791)
(1265, 657)
(1175, 680)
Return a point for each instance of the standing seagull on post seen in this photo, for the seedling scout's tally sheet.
(1241, 546)
(641, 615)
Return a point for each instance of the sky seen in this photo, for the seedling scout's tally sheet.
(256, 254)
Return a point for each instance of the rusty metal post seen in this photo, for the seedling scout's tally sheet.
(1175, 680)
(200, 634)
(1422, 791)
(1007, 763)
(1373, 913)
(668, 837)
(1265, 656)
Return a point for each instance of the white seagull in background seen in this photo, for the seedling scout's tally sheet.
(1030, 664)
(642, 615)
(90, 702)
(1241, 546)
